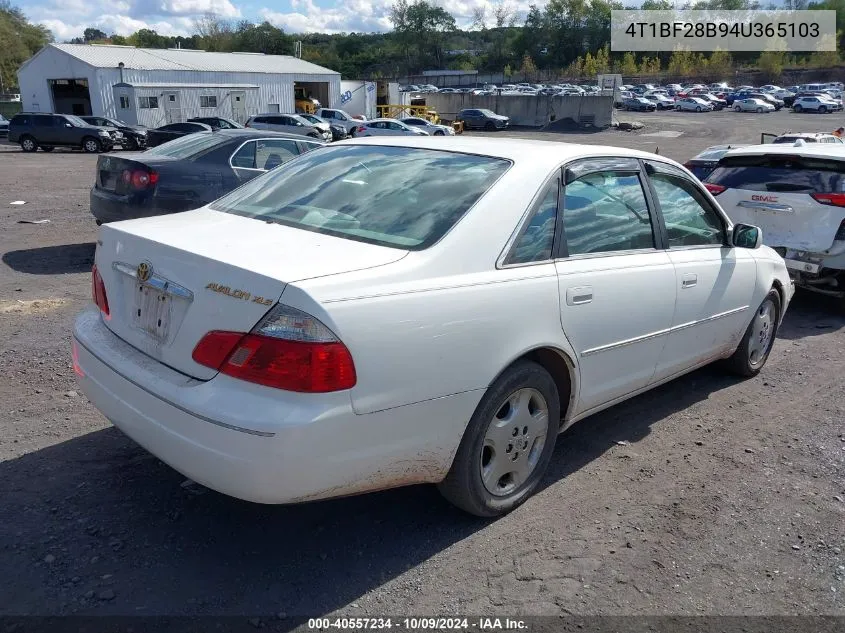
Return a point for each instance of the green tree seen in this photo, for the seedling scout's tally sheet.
(91, 34)
(629, 65)
(421, 26)
(20, 40)
(771, 64)
(528, 68)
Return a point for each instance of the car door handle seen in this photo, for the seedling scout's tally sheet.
(578, 296)
(689, 280)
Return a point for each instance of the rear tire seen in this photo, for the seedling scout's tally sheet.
(91, 145)
(28, 144)
(507, 444)
(753, 352)
(47, 148)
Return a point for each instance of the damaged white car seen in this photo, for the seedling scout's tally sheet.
(404, 310)
(796, 194)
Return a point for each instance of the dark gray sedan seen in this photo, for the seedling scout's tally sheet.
(480, 118)
(189, 172)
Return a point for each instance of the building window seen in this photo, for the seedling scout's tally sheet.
(124, 102)
(207, 101)
(148, 103)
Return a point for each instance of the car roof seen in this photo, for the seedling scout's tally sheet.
(811, 150)
(543, 153)
(252, 132)
(806, 134)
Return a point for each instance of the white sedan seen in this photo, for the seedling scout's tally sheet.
(385, 312)
(693, 104)
(432, 128)
(387, 127)
(753, 105)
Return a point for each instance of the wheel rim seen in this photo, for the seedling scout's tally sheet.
(28, 144)
(514, 442)
(91, 146)
(761, 333)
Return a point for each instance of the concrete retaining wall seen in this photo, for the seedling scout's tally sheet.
(530, 110)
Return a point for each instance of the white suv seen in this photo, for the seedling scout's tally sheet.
(796, 194)
(816, 104)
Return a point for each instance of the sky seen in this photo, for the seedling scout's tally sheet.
(69, 18)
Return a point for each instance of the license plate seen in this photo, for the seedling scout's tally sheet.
(804, 267)
(152, 312)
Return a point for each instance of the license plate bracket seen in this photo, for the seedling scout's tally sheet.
(152, 311)
(800, 266)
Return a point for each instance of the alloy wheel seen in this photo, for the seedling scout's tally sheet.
(514, 442)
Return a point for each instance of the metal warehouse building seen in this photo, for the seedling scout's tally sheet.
(156, 86)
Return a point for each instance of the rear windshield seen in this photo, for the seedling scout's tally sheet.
(393, 196)
(190, 146)
(792, 139)
(700, 171)
(780, 173)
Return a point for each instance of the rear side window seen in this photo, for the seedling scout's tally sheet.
(780, 173)
(21, 119)
(41, 120)
(350, 191)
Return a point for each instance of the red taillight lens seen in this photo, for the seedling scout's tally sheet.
(714, 189)
(288, 350)
(361, 128)
(98, 291)
(830, 199)
(139, 178)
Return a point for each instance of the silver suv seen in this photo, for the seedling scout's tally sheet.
(796, 194)
(290, 123)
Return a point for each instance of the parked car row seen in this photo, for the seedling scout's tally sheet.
(556, 89)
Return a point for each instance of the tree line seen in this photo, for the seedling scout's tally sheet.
(567, 38)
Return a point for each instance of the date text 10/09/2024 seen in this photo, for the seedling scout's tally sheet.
(418, 624)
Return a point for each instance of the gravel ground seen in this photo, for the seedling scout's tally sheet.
(709, 495)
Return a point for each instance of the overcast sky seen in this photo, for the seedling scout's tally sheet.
(69, 18)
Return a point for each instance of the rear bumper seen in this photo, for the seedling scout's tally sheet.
(112, 207)
(260, 444)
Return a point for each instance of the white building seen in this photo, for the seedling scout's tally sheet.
(363, 97)
(156, 86)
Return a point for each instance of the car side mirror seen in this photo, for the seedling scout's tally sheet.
(747, 236)
(68, 125)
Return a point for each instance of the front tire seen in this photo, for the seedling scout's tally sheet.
(737, 109)
(28, 144)
(753, 352)
(698, 108)
(440, 133)
(759, 110)
(91, 145)
(490, 126)
(507, 444)
(822, 109)
(797, 108)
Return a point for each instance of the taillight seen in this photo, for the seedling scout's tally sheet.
(288, 350)
(139, 178)
(830, 199)
(714, 189)
(361, 128)
(98, 291)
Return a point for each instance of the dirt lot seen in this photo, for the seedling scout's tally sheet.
(710, 495)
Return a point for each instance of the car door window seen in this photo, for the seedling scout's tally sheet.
(244, 157)
(42, 121)
(395, 126)
(689, 219)
(273, 152)
(536, 239)
(606, 211)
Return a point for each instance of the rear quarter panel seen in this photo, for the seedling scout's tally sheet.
(420, 340)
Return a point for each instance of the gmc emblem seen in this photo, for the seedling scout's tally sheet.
(764, 198)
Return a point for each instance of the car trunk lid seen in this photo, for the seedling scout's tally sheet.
(799, 202)
(171, 279)
(114, 173)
